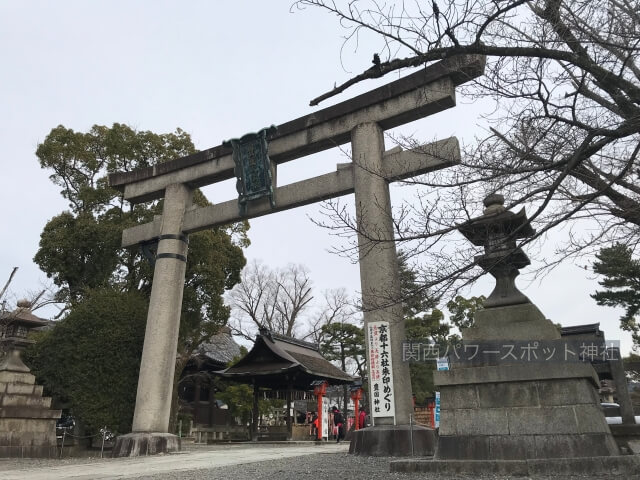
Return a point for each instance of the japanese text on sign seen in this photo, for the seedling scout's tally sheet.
(380, 370)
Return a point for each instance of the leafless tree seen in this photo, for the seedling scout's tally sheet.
(563, 138)
(271, 299)
(336, 307)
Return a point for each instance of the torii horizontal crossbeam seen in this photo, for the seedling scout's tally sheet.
(398, 165)
(415, 96)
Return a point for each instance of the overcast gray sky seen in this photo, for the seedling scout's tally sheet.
(217, 70)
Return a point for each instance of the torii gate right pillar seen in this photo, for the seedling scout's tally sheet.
(391, 435)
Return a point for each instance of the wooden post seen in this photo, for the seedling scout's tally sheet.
(319, 390)
(289, 423)
(212, 404)
(254, 421)
(197, 391)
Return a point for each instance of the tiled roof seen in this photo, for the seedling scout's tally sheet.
(320, 366)
(275, 355)
(592, 328)
(221, 348)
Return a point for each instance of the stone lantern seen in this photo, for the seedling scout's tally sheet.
(27, 422)
(497, 230)
(507, 412)
(13, 337)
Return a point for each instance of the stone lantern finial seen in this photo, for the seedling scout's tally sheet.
(24, 304)
(497, 231)
(494, 204)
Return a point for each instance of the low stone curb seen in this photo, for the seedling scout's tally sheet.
(627, 466)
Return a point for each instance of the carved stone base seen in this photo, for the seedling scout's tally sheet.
(142, 444)
(393, 441)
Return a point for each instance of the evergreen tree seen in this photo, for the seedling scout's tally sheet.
(80, 248)
(621, 285)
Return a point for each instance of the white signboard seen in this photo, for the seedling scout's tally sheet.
(437, 412)
(380, 370)
(442, 363)
(325, 418)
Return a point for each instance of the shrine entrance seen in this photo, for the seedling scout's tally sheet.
(253, 160)
(281, 363)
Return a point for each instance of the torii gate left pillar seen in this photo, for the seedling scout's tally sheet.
(361, 121)
(157, 367)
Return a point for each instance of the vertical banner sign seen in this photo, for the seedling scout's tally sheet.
(437, 414)
(380, 370)
(325, 418)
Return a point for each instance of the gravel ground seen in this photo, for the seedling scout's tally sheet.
(311, 467)
(328, 467)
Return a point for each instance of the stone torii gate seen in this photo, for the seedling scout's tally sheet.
(361, 121)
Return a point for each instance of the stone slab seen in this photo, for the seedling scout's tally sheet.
(20, 400)
(28, 412)
(143, 444)
(520, 447)
(16, 377)
(29, 451)
(513, 322)
(44, 425)
(393, 441)
(627, 466)
(458, 396)
(505, 395)
(21, 389)
(514, 373)
(567, 391)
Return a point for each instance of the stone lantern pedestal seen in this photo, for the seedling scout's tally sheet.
(505, 413)
(27, 424)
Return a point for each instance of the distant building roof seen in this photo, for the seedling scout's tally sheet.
(277, 361)
(221, 348)
(590, 330)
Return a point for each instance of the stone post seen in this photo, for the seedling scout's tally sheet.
(622, 391)
(379, 274)
(155, 383)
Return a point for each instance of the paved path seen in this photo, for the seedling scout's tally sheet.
(220, 456)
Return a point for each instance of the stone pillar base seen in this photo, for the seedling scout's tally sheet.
(142, 444)
(520, 412)
(393, 441)
(627, 466)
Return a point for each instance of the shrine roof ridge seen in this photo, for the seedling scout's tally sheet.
(295, 341)
(459, 69)
(593, 328)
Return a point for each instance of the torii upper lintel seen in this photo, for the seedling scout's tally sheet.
(410, 98)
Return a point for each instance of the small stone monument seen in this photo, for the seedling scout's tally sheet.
(27, 424)
(508, 415)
